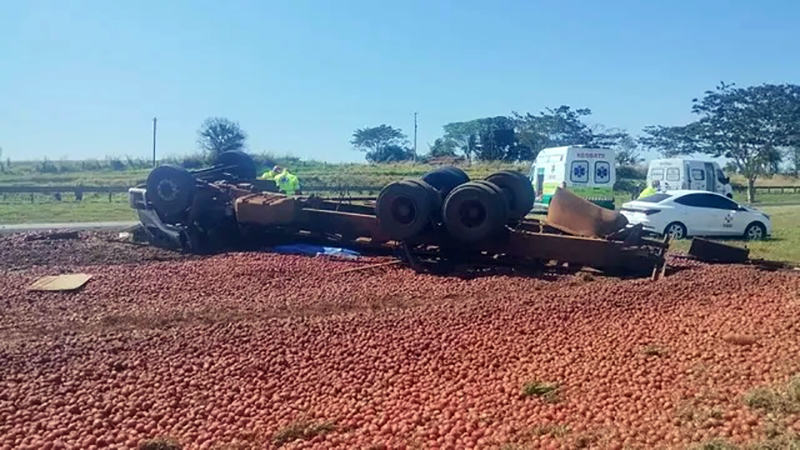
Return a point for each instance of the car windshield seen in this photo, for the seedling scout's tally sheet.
(655, 198)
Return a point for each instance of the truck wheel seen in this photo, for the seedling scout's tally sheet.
(403, 209)
(244, 167)
(445, 179)
(517, 189)
(500, 195)
(435, 198)
(475, 211)
(170, 189)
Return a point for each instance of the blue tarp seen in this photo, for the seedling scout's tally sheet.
(315, 250)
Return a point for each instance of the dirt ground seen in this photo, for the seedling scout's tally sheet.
(258, 350)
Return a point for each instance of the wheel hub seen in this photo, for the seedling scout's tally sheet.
(403, 210)
(472, 214)
(167, 190)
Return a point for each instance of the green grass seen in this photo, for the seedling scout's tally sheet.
(548, 391)
(46, 210)
(302, 430)
(784, 245)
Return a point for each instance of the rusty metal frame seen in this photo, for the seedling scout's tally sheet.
(527, 241)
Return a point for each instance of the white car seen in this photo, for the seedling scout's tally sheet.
(696, 213)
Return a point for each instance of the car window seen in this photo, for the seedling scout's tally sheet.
(673, 174)
(602, 172)
(657, 174)
(579, 172)
(723, 203)
(698, 174)
(707, 201)
(696, 200)
(721, 177)
(655, 198)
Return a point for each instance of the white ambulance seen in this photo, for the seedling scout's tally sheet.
(689, 174)
(587, 172)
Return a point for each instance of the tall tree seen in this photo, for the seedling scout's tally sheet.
(556, 127)
(382, 144)
(442, 147)
(748, 125)
(794, 157)
(489, 138)
(465, 135)
(218, 135)
(627, 151)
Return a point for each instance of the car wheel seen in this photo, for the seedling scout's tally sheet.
(675, 230)
(756, 231)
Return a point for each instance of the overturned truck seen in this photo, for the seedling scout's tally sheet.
(442, 216)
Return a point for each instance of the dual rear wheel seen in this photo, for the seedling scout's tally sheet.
(471, 210)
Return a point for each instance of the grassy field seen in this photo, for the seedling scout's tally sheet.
(96, 207)
(46, 210)
(784, 245)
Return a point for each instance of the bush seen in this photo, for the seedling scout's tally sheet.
(116, 164)
(629, 186)
(632, 172)
(195, 161)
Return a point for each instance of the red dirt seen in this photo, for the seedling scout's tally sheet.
(210, 352)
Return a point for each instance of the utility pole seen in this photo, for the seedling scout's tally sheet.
(154, 141)
(415, 136)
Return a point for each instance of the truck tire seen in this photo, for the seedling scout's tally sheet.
(404, 209)
(244, 166)
(517, 189)
(170, 189)
(475, 211)
(445, 179)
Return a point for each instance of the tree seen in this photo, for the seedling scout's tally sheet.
(794, 157)
(520, 137)
(748, 125)
(382, 144)
(489, 139)
(218, 135)
(442, 147)
(627, 152)
(561, 126)
(465, 135)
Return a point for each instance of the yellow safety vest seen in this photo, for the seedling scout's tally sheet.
(648, 191)
(287, 183)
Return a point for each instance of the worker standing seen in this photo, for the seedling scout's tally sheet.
(650, 190)
(268, 174)
(287, 182)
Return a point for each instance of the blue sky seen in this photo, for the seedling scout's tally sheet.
(83, 79)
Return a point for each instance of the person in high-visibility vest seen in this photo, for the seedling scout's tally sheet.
(287, 183)
(650, 190)
(268, 175)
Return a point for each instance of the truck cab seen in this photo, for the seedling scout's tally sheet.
(689, 174)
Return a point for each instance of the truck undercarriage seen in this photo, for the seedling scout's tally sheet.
(442, 217)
